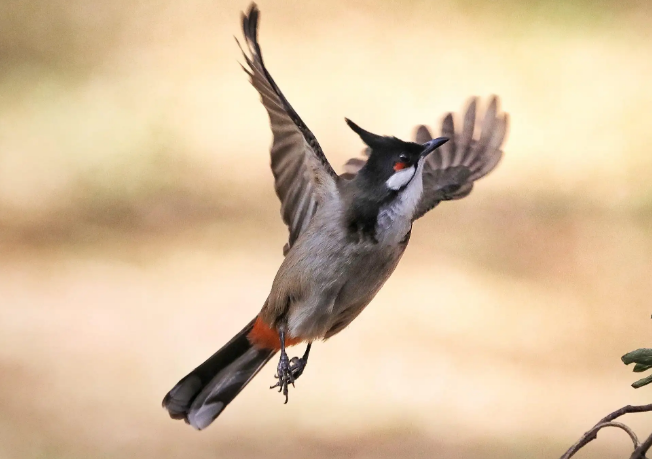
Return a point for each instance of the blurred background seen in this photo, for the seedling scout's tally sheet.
(139, 229)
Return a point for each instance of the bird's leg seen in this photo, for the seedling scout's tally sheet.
(298, 364)
(283, 370)
(288, 370)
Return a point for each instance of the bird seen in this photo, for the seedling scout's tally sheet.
(347, 232)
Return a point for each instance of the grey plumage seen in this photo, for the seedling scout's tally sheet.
(296, 156)
(422, 135)
(347, 233)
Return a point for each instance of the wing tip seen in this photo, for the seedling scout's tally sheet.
(481, 151)
(472, 103)
(422, 134)
(250, 21)
(506, 123)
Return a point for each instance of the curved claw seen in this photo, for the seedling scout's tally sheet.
(285, 376)
(288, 371)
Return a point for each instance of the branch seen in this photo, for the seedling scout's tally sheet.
(593, 433)
(639, 453)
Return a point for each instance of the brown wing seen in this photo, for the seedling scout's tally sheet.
(302, 174)
(450, 170)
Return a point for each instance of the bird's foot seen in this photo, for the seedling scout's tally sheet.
(288, 371)
(297, 365)
(284, 374)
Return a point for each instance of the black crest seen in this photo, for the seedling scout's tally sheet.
(385, 151)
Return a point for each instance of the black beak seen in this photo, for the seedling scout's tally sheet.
(432, 145)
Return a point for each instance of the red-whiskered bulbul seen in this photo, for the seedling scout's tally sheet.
(347, 233)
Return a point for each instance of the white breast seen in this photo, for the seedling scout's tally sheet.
(395, 218)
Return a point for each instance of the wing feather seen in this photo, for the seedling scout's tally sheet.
(451, 170)
(303, 176)
(422, 134)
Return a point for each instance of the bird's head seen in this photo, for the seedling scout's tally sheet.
(393, 162)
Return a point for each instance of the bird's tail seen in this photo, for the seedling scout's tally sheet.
(203, 394)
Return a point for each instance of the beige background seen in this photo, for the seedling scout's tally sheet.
(139, 229)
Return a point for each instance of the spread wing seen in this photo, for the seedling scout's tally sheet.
(450, 170)
(469, 155)
(302, 174)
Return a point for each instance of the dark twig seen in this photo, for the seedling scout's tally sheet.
(593, 433)
(641, 450)
(622, 426)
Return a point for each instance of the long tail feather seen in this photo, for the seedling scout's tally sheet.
(203, 394)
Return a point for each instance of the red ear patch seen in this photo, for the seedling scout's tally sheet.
(399, 166)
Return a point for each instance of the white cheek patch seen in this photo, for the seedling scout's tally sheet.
(400, 178)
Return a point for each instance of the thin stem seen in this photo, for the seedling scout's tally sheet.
(592, 434)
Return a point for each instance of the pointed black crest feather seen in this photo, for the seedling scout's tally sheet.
(367, 137)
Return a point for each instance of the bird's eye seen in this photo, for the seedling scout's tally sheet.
(402, 162)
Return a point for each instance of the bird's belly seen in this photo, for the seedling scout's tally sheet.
(370, 275)
(342, 289)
